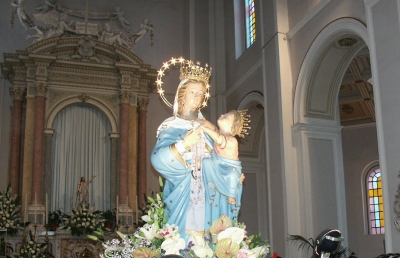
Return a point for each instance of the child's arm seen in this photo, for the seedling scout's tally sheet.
(216, 136)
(207, 123)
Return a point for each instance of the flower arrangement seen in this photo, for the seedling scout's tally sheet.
(156, 238)
(109, 217)
(83, 221)
(33, 249)
(5, 248)
(10, 208)
(55, 218)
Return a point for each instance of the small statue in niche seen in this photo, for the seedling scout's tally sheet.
(46, 6)
(82, 195)
(144, 27)
(19, 7)
(119, 14)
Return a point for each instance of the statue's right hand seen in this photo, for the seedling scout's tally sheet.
(192, 137)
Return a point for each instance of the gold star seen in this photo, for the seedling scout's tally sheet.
(173, 61)
(204, 104)
(159, 82)
(160, 91)
(160, 72)
(181, 59)
(207, 95)
(165, 65)
(208, 86)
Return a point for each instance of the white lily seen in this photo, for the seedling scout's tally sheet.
(233, 233)
(146, 218)
(172, 246)
(149, 231)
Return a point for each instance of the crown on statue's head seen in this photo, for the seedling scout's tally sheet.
(244, 123)
(189, 70)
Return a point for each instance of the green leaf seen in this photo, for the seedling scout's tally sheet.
(93, 237)
(161, 181)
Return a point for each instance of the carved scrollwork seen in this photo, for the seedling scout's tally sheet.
(143, 103)
(125, 96)
(83, 97)
(41, 89)
(18, 93)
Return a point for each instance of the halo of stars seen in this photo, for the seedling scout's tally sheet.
(166, 66)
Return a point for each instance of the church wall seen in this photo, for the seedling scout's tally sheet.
(301, 41)
(385, 55)
(257, 70)
(300, 9)
(360, 148)
(5, 123)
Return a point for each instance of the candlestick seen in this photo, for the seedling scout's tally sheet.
(35, 209)
(26, 207)
(45, 212)
(117, 210)
(126, 213)
(137, 218)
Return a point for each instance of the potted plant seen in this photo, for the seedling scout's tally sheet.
(55, 218)
(109, 216)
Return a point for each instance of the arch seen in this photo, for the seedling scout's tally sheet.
(255, 161)
(312, 70)
(251, 99)
(75, 99)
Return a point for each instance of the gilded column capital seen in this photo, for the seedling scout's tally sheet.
(143, 103)
(41, 89)
(18, 93)
(125, 96)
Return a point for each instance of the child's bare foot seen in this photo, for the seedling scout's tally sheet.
(231, 200)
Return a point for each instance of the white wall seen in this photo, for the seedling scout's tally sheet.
(360, 148)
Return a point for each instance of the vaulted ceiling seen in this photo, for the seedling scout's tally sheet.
(356, 97)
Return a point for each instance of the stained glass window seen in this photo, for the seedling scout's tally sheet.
(250, 22)
(375, 202)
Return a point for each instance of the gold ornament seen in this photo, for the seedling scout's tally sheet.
(245, 121)
(188, 70)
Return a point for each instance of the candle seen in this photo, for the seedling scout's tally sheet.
(45, 212)
(117, 210)
(35, 208)
(137, 218)
(26, 205)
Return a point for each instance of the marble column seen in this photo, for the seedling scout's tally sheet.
(114, 169)
(38, 146)
(28, 149)
(15, 151)
(142, 157)
(123, 146)
(133, 152)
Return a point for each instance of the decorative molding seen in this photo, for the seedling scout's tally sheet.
(83, 97)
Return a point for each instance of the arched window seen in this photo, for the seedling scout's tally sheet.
(375, 201)
(250, 23)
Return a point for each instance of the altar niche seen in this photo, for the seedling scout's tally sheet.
(58, 72)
